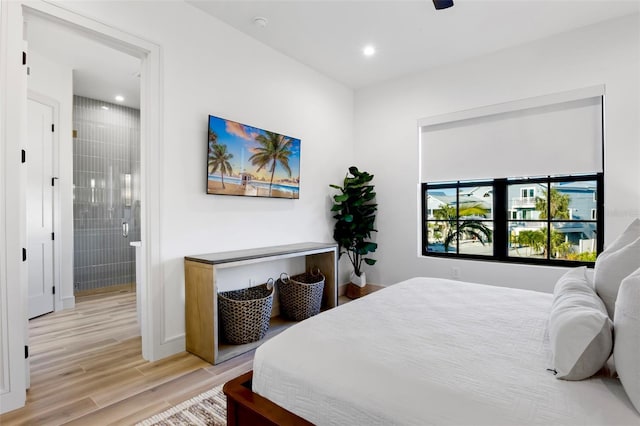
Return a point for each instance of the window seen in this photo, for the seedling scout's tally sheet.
(549, 220)
(527, 193)
(461, 219)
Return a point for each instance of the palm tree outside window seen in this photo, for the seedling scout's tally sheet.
(551, 220)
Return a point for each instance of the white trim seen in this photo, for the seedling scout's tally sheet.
(5, 384)
(14, 273)
(151, 142)
(419, 205)
(13, 276)
(521, 104)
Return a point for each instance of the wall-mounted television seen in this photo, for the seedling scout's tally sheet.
(248, 161)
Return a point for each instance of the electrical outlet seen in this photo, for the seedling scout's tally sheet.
(455, 273)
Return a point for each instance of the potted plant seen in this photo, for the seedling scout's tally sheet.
(355, 214)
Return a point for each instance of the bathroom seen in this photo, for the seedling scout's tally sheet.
(106, 200)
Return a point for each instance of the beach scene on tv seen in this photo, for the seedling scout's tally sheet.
(245, 160)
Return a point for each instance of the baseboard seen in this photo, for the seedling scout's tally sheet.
(110, 289)
(68, 302)
(170, 346)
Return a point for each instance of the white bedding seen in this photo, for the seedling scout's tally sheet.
(432, 351)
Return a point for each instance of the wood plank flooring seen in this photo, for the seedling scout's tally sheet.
(87, 368)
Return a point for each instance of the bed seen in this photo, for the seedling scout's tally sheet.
(423, 351)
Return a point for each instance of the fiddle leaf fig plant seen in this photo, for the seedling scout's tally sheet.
(355, 213)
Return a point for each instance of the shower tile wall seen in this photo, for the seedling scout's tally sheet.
(106, 148)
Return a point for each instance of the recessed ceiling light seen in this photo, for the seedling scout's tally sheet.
(105, 107)
(369, 50)
(119, 98)
(260, 21)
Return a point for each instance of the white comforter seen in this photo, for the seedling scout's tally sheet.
(432, 351)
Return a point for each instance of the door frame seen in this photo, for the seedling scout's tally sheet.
(12, 123)
(55, 195)
(150, 107)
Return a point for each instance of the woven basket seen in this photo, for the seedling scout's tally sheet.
(245, 313)
(300, 295)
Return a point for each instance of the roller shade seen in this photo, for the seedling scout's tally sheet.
(558, 138)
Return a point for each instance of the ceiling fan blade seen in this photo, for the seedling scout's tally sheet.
(442, 4)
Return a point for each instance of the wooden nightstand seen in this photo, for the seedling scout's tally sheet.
(355, 292)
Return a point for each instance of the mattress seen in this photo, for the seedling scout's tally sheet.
(432, 351)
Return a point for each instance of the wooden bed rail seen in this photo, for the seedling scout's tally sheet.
(247, 408)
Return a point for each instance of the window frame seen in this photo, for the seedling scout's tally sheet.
(502, 217)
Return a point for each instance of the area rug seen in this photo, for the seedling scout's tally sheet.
(209, 408)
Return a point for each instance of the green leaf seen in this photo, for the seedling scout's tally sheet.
(355, 216)
(370, 261)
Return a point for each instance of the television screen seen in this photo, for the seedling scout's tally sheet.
(245, 160)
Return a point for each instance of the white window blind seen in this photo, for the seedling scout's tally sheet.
(542, 136)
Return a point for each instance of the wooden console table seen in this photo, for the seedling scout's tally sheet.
(201, 296)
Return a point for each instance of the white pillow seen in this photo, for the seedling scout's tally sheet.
(629, 235)
(626, 351)
(579, 328)
(611, 268)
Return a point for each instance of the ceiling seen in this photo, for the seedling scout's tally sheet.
(329, 35)
(99, 72)
(409, 35)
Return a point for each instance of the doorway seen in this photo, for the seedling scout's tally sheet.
(95, 111)
(14, 340)
(100, 157)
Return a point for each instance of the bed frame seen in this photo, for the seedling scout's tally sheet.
(247, 408)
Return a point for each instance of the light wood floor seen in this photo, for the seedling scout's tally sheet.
(87, 368)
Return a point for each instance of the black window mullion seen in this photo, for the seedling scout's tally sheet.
(548, 220)
(425, 225)
(600, 211)
(457, 217)
(500, 219)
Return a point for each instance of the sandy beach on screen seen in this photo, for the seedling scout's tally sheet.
(214, 187)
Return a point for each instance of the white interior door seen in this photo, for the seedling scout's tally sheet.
(40, 207)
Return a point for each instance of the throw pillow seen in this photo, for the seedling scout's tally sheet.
(579, 328)
(629, 235)
(627, 331)
(611, 268)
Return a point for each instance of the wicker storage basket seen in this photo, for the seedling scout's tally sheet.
(245, 313)
(300, 295)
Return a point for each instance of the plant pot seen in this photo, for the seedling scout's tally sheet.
(360, 281)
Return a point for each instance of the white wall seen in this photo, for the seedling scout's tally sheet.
(210, 68)
(55, 81)
(387, 137)
(13, 271)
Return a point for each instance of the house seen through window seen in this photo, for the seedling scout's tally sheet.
(541, 220)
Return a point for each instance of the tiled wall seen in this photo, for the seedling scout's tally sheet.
(106, 147)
